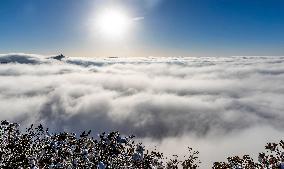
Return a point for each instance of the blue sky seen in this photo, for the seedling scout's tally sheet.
(169, 27)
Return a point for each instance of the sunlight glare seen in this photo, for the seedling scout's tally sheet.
(113, 23)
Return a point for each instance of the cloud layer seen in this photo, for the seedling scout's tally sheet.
(158, 99)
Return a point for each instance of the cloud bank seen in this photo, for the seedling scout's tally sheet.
(205, 101)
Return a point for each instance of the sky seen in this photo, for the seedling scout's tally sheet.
(158, 27)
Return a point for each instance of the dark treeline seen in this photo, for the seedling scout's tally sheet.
(37, 148)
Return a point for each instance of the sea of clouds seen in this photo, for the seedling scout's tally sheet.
(221, 106)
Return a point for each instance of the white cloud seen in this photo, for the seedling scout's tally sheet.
(212, 102)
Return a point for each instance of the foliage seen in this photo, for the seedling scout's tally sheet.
(272, 159)
(36, 148)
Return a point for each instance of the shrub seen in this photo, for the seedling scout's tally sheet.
(272, 159)
(36, 148)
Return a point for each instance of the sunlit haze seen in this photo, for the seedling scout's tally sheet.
(113, 23)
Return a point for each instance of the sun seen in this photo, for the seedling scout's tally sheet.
(113, 23)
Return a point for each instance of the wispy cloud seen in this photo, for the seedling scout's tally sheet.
(138, 18)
